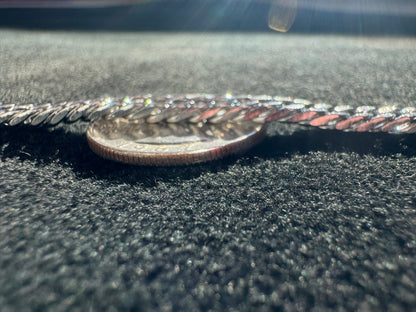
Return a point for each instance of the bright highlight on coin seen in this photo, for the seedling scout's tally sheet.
(166, 144)
(282, 14)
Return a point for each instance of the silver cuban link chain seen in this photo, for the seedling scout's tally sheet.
(214, 110)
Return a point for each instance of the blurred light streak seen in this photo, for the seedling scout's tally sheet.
(282, 14)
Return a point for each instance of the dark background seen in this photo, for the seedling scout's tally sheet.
(219, 15)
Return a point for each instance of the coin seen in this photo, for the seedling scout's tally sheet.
(165, 144)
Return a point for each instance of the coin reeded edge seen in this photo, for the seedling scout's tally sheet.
(175, 159)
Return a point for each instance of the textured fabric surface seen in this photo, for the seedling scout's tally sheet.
(307, 220)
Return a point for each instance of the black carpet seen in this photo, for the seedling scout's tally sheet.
(307, 220)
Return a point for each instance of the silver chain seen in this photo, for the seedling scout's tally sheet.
(211, 109)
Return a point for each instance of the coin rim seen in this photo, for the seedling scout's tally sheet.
(176, 159)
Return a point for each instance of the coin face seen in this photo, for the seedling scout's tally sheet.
(166, 144)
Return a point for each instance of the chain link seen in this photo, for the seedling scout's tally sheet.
(212, 109)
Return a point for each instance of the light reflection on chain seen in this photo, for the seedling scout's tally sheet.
(212, 109)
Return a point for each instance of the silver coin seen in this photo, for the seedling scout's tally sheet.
(138, 142)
